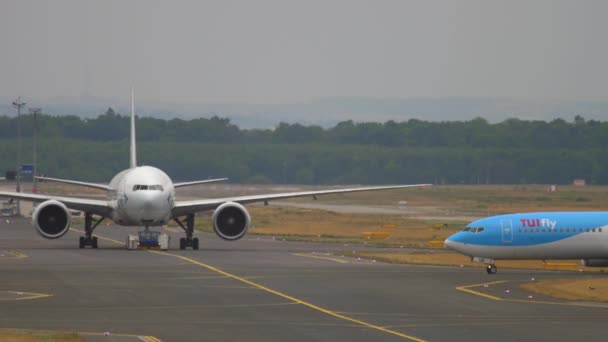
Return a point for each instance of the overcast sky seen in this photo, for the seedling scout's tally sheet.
(279, 51)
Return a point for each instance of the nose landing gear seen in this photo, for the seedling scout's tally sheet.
(491, 269)
(188, 241)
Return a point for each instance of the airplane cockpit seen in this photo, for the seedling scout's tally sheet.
(473, 229)
(156, 187)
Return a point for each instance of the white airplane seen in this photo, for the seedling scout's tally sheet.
(145, 196)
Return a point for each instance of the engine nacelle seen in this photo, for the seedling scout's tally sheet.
(595, 262)
(51, 219)
(231, 221)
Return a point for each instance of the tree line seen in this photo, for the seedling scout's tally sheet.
(470, 152)
(476, 133)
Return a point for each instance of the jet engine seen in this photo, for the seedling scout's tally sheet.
(595, 262)
(231, 221)
(51, 219)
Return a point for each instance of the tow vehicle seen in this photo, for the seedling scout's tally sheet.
(148, 239)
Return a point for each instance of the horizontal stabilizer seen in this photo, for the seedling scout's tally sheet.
(179, 185)
(73, 182)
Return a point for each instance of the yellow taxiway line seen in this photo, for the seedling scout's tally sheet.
(313, 256)
(277, 293)
(467, 288)
(101, 237)
(18, 255)
(291, 298)
(15, 255)
(140, 337)
(26, 295)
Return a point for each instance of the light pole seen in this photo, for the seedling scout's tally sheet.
(19, 104)
(34, 112)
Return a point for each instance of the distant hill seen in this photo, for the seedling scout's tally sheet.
(327, 112)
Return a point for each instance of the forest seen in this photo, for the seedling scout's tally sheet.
(513, 151)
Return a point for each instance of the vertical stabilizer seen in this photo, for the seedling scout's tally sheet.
(133, 151)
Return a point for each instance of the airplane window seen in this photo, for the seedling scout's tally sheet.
(580, 230)
(593, 230)
(599, 230)
(544, 231)
(147, 187)
(526, 230)
(519, 230)
(587, 230)
(561, 230)
(480, 229)
(538, 230)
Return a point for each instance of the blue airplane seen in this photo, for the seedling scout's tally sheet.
(529, 236)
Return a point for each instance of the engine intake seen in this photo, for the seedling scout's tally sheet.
(595, 262)
(231, 221)
(51, 219)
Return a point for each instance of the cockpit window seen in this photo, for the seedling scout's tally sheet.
(156, 187)
(473, 229)
(466, 229)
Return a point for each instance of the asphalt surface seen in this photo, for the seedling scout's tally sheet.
(260, 289)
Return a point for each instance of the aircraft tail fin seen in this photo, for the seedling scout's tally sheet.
(133, 151)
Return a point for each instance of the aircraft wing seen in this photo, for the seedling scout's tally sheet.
(188, 207)
(67, 181)
(98, 207)
(179, 185)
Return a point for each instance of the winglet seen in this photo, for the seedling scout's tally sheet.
(133, 154)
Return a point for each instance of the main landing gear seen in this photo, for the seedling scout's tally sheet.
(188, 226)
(491, 269)
(88, 239)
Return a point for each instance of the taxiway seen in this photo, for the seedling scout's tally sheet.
(264, 289)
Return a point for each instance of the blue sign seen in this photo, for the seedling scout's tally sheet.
(27, 168)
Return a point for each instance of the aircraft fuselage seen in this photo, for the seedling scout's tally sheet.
(142, 195)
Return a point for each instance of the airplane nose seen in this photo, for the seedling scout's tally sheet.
(448, 243)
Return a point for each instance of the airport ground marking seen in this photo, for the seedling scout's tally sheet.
(26, 295)
(467, 288)
(464, 288)
(101, 237)
(143, 338)
(313, 256)
(277, 293)
(14, 255)
(288, 297)
(203, 277)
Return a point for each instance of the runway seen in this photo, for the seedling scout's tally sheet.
(263, 289)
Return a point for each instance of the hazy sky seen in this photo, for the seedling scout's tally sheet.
(266, 51)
